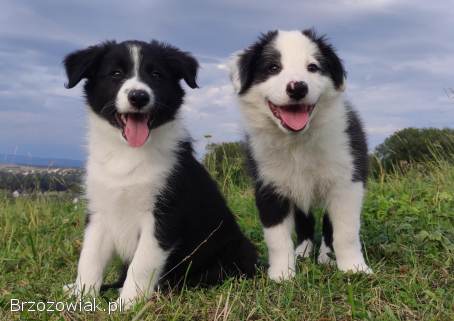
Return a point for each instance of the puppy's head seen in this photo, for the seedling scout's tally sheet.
(133, 85)
(283, 77)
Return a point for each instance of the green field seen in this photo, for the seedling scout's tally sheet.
(408, 235)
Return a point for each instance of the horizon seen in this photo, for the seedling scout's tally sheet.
(398, 61)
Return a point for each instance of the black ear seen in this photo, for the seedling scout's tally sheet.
(246, 68)
(81, 64)
(247, 63)
(331, 64)
(183, 65)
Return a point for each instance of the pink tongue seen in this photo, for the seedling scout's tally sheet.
(136, 130)
(295, 119)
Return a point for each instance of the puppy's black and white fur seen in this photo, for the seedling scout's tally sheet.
(149, 200)
(307, 147)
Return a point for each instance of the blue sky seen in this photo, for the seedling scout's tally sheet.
(399, 55)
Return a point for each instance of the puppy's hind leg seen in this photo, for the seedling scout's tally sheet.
(326, 248)
(239, 258)
(304, 226)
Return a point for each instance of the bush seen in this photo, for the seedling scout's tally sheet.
(226, 163)
(412, 145)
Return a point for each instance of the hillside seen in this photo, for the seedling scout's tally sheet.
(408, 236)
(24, 160)
(26, 179)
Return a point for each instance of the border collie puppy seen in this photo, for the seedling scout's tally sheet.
(306, 145)
(149, 200)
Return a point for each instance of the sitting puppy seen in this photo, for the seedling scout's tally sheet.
(149, 200)
(306, 145)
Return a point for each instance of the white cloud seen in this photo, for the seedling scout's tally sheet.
(397, 52)
(212, 109)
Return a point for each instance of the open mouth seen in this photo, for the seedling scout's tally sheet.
(135, 127)
(293, 117)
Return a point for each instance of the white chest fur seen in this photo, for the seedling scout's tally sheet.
(305, 166)
(122, 182)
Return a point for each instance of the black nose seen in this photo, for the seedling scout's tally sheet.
(297, 89)
(138, 98)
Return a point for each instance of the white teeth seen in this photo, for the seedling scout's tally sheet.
(123, 118)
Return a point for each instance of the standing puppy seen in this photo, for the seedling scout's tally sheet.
(149, 200)
(306, 146)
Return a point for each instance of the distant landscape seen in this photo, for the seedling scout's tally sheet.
(21, 179)
(28, 160)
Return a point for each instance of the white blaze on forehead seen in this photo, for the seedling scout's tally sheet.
(134, 50)
(133, 83)
(297, 51)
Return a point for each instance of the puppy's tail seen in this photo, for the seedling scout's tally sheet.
(119, 283)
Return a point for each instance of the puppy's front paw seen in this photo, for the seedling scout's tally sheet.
(73, 290)
(304, 249)
(325, 258)
(78, 290)
(280, 273)
(69, 289)
(355, 267)
(125, 303)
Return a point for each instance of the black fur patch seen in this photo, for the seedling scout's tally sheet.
(273, 208)
(190, 210)
(304, 225)
(330, 63)
(327, 228)
(358, 146)
(255, 60)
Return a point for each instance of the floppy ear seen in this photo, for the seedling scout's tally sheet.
(183, 65)
(81, 64)
(330, 62)
(247, 61)
(246, 68)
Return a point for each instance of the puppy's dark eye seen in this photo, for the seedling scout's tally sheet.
(313, 68)
(273, 69)
(156, 74)
(117, 74)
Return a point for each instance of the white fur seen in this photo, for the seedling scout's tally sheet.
(304, 249)
(280, 249)
(344, 206)
(314, 166)
(122, 185)
(133, 83)
(324, 254)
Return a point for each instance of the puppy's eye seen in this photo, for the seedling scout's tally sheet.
(273, 69)
(313, 68)
(117, 74)
(156, 74)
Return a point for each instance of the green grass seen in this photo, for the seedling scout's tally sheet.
(408, 234)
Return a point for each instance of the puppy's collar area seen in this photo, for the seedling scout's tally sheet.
(293, 117)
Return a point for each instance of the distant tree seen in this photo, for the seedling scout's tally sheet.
(413, 145)
(41, 181)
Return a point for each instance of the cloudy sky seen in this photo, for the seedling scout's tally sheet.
(399, 55)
